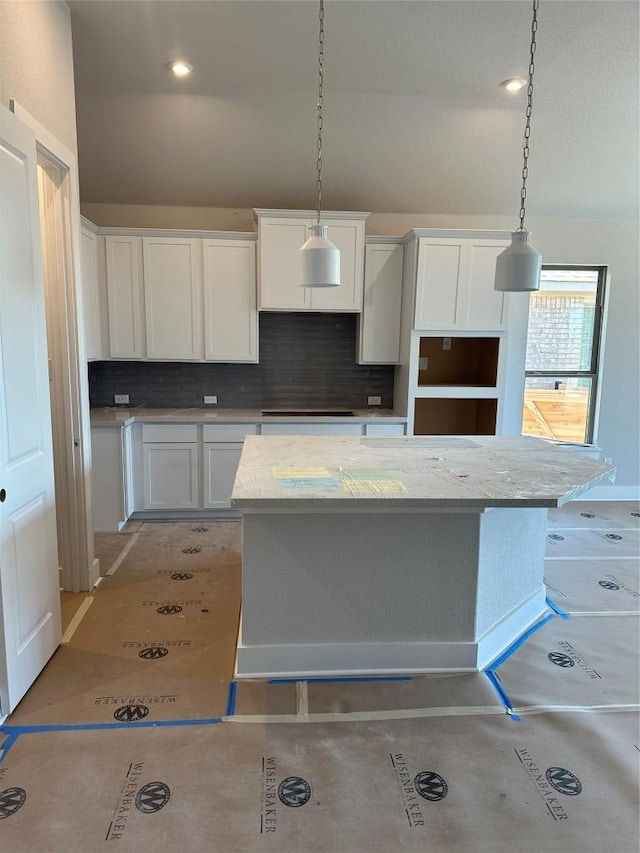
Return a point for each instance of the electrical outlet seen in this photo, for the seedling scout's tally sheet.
(446, 343)
(608, 460)
(210, 398)
(120, 399)
(423, 362)
(374, 401)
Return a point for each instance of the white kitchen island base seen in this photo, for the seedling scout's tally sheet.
(355, 582)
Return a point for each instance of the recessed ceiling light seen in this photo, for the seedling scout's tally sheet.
(181, 68)
(514, 85)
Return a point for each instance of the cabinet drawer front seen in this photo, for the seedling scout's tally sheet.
(311, 429)
(384, 429)
(169, 432)
(227, 432)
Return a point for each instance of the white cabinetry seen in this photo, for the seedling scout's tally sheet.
(222, 447)
(461, 367)
(170, 466)
(124, 296)
(454, 282)
(180, 296)
(230, 309)
(173, 297)
(89, 243)
(379, 323)
(281, 234)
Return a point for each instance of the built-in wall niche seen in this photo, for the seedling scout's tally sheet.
(455, 416)
(458, 361)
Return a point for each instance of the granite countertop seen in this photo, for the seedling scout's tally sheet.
(350, 472)
(110, 417)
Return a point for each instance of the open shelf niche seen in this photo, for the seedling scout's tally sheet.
(458, 361)
(455, 416)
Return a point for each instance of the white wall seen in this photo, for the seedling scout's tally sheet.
(36, 64)
(561, 241)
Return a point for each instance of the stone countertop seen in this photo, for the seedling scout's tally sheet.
(118, 417)
(434, 472)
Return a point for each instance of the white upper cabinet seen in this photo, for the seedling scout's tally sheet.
(230, 307)
(90, 293)
(173, 297)
(454, 283)
(124, 295)
(280, 236)
(379, 323)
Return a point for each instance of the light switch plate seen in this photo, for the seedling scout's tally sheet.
(119, 399)
(374, 401)
(210, 398)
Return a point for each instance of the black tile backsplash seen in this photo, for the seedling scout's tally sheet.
(306, 361)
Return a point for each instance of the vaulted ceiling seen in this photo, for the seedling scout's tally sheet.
(415, 119)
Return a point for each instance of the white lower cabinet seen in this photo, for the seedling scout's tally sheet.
(156, 468)
(220, 464)
(170, 476)
(170, 466)
(221, 450)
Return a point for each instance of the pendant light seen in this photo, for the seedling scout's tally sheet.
(518, 267)
(320, 258)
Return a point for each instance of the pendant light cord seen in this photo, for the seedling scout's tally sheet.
(320, 83)
(527, 127)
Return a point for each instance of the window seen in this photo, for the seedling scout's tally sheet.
(563, 344)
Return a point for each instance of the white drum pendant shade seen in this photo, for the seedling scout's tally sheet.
(320, 259)
(518, 267)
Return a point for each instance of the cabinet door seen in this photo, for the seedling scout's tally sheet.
(90, 294)
(173, 297)
(220, 467)
(230, 312)
(348, 237)
(379, 338)
(124, 296)
(484, 307)
(438, 282)
(170, 476)
(279, 270)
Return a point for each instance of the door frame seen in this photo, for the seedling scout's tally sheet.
(73, 413)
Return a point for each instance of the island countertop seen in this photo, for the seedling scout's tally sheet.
(278, 473)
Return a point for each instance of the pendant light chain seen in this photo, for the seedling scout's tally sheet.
(320, 82)
(527, 128)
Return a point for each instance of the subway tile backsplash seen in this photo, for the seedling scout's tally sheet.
(306, 361)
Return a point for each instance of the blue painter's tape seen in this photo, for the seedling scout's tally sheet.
(90, 727)
(562, 613)
(337, 680)
(231, 701)
(516, 645)
(6, 746)
(502, 695)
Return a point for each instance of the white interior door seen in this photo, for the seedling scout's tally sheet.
(29, 586)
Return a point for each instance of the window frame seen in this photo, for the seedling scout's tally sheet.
(596, 345)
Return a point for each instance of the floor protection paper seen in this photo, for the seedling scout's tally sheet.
(587, 662)
(158, 642)
(596, 514)
(558, 784)
(563, 543)
(594, 586)
(438, 694)
(109, 546)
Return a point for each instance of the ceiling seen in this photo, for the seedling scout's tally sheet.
(414, 118)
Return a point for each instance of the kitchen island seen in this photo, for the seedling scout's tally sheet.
(366, 555)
